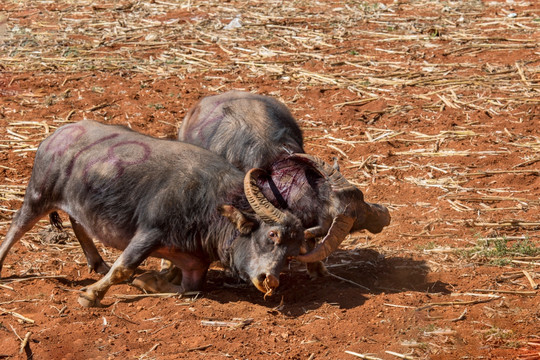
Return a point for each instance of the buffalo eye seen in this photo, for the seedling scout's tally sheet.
(274, 236)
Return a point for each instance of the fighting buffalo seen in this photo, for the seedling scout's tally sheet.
(251, 130)
(155, 197)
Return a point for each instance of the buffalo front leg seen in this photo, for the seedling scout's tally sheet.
(139, 248)
(156, 282)
(172, 273)
(316, 231)
(182, 273)
(94, 260)
(168, 280)
(315, 269)
(92, 294)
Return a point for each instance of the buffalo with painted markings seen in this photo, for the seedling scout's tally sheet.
(154, 197)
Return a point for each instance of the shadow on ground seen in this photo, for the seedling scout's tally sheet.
(355, 276)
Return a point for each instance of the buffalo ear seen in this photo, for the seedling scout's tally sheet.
(242, 223)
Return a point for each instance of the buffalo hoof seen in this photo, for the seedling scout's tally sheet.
(174, 275)
(171, 272)
(100, 267)
(89, 299)
(316, 270)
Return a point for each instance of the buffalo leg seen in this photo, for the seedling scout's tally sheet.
(157, 282)
(23, 220)
(95, 261)
(194, 279)
(139, 248)
(168, 280)
(315, 269)
(180, 274)
(173, 274)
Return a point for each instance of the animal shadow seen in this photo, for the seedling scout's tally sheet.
(353, 277)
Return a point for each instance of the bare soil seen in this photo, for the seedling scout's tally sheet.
(432, 108)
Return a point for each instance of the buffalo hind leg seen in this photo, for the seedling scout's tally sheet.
(23, 220)
(94, 260)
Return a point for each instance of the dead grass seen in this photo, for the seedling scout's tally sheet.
(457, 67)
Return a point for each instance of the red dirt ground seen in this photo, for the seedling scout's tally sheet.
(431, 107)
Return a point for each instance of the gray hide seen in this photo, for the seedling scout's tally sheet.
(152, 197)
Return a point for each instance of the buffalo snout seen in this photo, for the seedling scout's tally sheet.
(266, 283)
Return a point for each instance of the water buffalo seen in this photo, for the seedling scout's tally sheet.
(251, 130)
(153, 197)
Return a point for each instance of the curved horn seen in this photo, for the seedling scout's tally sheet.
(341, 226)
(336, 179)
(266, 211)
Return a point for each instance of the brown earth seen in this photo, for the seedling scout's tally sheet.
(431, 107)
